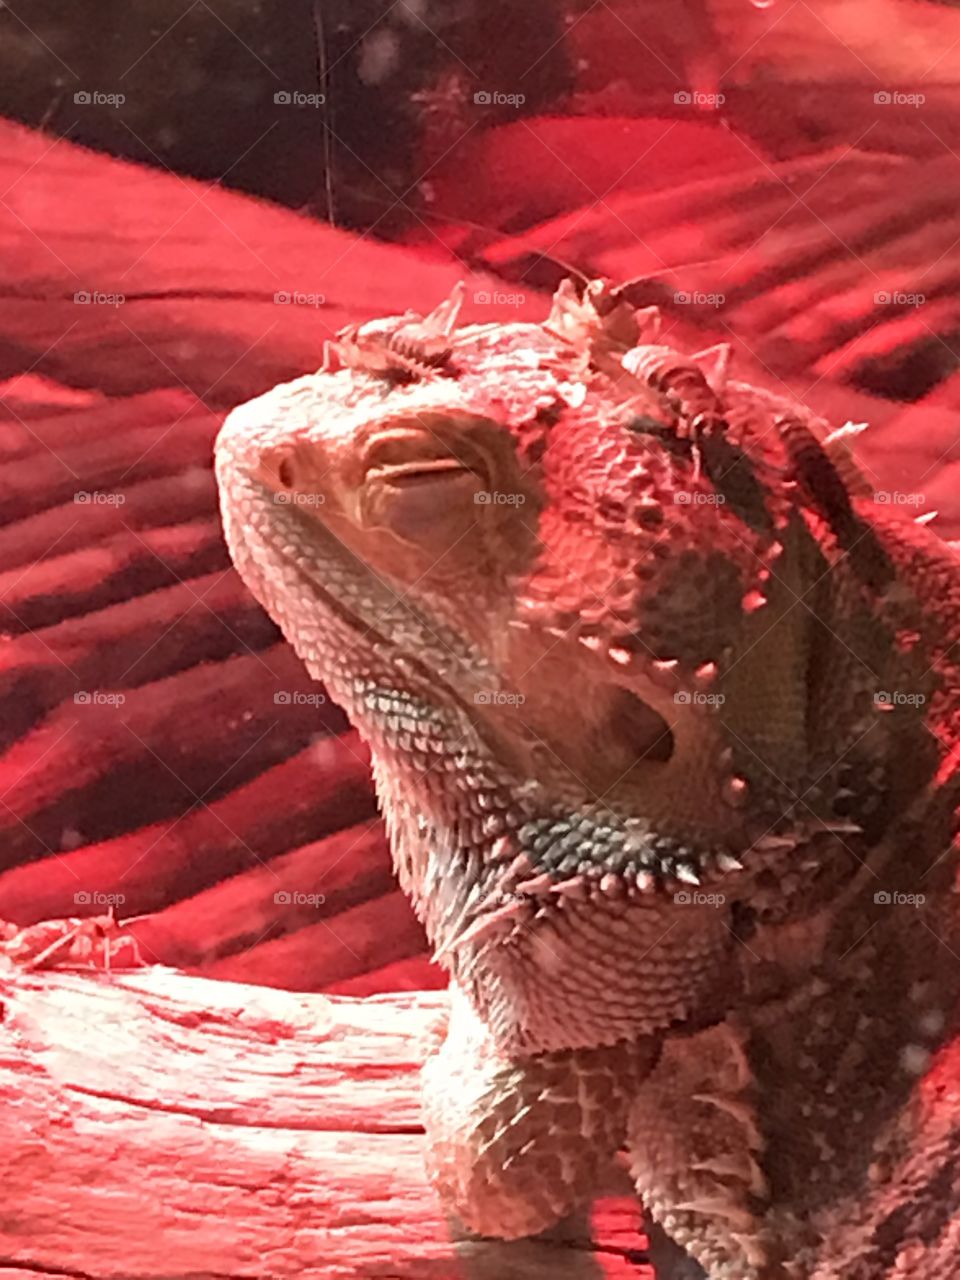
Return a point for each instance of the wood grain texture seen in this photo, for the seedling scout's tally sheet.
(156, 1125)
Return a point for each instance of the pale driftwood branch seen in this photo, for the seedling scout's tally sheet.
(156, 1125)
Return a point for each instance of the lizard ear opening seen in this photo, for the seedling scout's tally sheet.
(636, 723)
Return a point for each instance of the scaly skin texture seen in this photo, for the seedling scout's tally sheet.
(665, 717)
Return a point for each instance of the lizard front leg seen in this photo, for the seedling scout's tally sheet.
(514, 1144)
(696, 1154)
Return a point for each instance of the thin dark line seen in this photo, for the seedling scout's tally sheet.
(323, 83)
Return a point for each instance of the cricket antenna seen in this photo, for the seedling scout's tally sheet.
(615, 293)
(620, 291)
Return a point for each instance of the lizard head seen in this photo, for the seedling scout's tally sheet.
(556, 586)
(513, 543)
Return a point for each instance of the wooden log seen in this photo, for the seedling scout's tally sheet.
(158, 1125)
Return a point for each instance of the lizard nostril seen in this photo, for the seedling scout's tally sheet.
(286, 472)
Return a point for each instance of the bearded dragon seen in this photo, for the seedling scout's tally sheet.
(664, 710)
